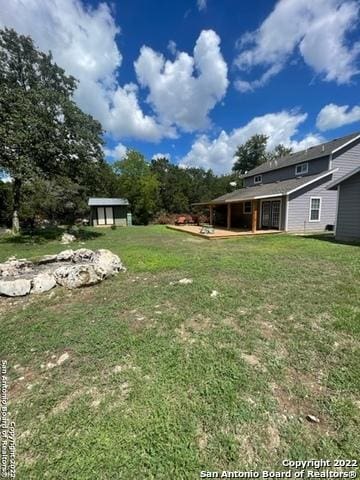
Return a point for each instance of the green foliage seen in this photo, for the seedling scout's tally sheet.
(42, 131)
(5, 203)
(139, 185)
(254, 152)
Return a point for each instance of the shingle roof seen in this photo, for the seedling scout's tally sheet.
(103, 202)
(269, 189)
(311, 153)
(334, 185)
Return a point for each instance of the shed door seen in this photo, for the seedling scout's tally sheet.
(101, 215)
(109, 216)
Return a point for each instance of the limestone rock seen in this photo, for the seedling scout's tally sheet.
(67, 238)
(75, 276)
(43, 282)
(107, 262)
(82, 255)
(47, 259)
(15, 288)
(14, 268)
(65, 256)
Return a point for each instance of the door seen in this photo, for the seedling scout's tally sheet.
(266, 214)
(270, 214)
(109, 216)
(275, 214)
(100, 215)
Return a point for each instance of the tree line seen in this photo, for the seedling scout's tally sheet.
(53, 152)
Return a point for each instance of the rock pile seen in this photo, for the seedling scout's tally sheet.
(69, 268)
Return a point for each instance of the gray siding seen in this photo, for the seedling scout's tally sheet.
(120, 215)
(314, 166)
(299, 207)
(299, 202)
(348, 220)
(346, 161)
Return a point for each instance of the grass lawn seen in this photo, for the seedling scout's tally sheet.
(164, 381)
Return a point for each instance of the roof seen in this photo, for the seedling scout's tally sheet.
(275, 189)
(311, 153)
(103, 202)
(334, 185)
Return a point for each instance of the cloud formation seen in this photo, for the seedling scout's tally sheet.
(317, 30)
(334, 116)
(184, 91)
(83, 41)
(218, 154)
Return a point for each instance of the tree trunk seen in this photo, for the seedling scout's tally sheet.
(16, 195)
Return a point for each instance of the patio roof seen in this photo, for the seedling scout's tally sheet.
(275, 189)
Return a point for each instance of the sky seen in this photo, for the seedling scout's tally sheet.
(193, 79)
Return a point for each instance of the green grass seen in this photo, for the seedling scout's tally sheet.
(201, 383)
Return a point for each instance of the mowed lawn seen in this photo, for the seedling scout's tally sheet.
(163, 380)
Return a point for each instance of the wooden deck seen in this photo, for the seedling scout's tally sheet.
(219, 232)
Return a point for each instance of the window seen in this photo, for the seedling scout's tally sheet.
(301, 168)
(258, 179)
(247, 207)
(315, 208)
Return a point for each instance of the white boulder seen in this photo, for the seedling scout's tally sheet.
(65, 256)
(75, 276)
(47, 259)
(67, 238)
(82, 255)
(13, 267)
(107, 262)
(43, 282)
(15, 288)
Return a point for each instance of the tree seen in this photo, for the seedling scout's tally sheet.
(139, 185)
(42, 131)
(250, 154)
(254, 152)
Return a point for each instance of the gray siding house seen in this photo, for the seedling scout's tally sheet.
(290, 193)
(109, 211)
(348, 206)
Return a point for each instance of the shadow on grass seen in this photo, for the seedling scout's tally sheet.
(41, 236)
(329, 237)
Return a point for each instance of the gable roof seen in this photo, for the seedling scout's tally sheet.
(275, 189)
(103, 202)
(334, 185)
(311, 153)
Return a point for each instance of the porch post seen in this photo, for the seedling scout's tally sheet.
(254, 216)
(211, 208)
(228, 223)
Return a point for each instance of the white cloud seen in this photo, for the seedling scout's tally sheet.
(334, 116)
(218, 154)
(184, 91)
(6, 179)
(116, 153)
(172, 47)
(316, 29)
(157, 156)
(82, 40)
(201, 4)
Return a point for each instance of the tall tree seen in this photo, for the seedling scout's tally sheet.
(254, 152)
(42, 131)
(139, 185)
(250, 154)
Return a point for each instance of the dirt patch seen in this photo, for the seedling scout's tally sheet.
(195, 325)
(251, 359)
(273, 435)
(201, 438)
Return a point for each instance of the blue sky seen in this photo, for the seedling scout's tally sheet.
(194, 78)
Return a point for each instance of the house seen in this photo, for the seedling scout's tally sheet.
(109, 211)
(290, 193)
(348, 206)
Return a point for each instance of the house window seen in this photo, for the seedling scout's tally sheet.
(315, 209)
(301, 168)
(247, 207)
(258, 179)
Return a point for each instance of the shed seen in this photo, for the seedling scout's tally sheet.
(348, 206)
(109, 211)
